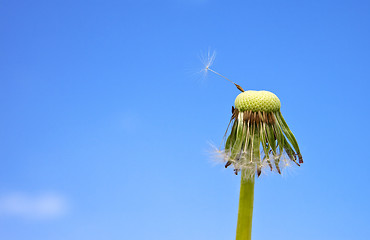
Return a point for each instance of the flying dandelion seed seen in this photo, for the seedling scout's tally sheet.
(207, 63)
(207, 60)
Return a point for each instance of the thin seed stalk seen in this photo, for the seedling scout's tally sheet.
(244, 226)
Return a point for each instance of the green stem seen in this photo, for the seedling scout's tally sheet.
(244, 226)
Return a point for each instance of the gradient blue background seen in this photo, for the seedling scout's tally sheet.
(101, 102)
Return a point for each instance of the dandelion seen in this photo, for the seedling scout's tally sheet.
(259, 139)
(259, 125)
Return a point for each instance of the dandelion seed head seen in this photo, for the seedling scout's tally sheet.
(264, 101)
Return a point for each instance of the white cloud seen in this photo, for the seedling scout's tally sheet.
(45, 206)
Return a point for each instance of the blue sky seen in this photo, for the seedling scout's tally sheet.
(105, 122)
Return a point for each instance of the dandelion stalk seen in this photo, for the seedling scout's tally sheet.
(259, 138)
(244, 225)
